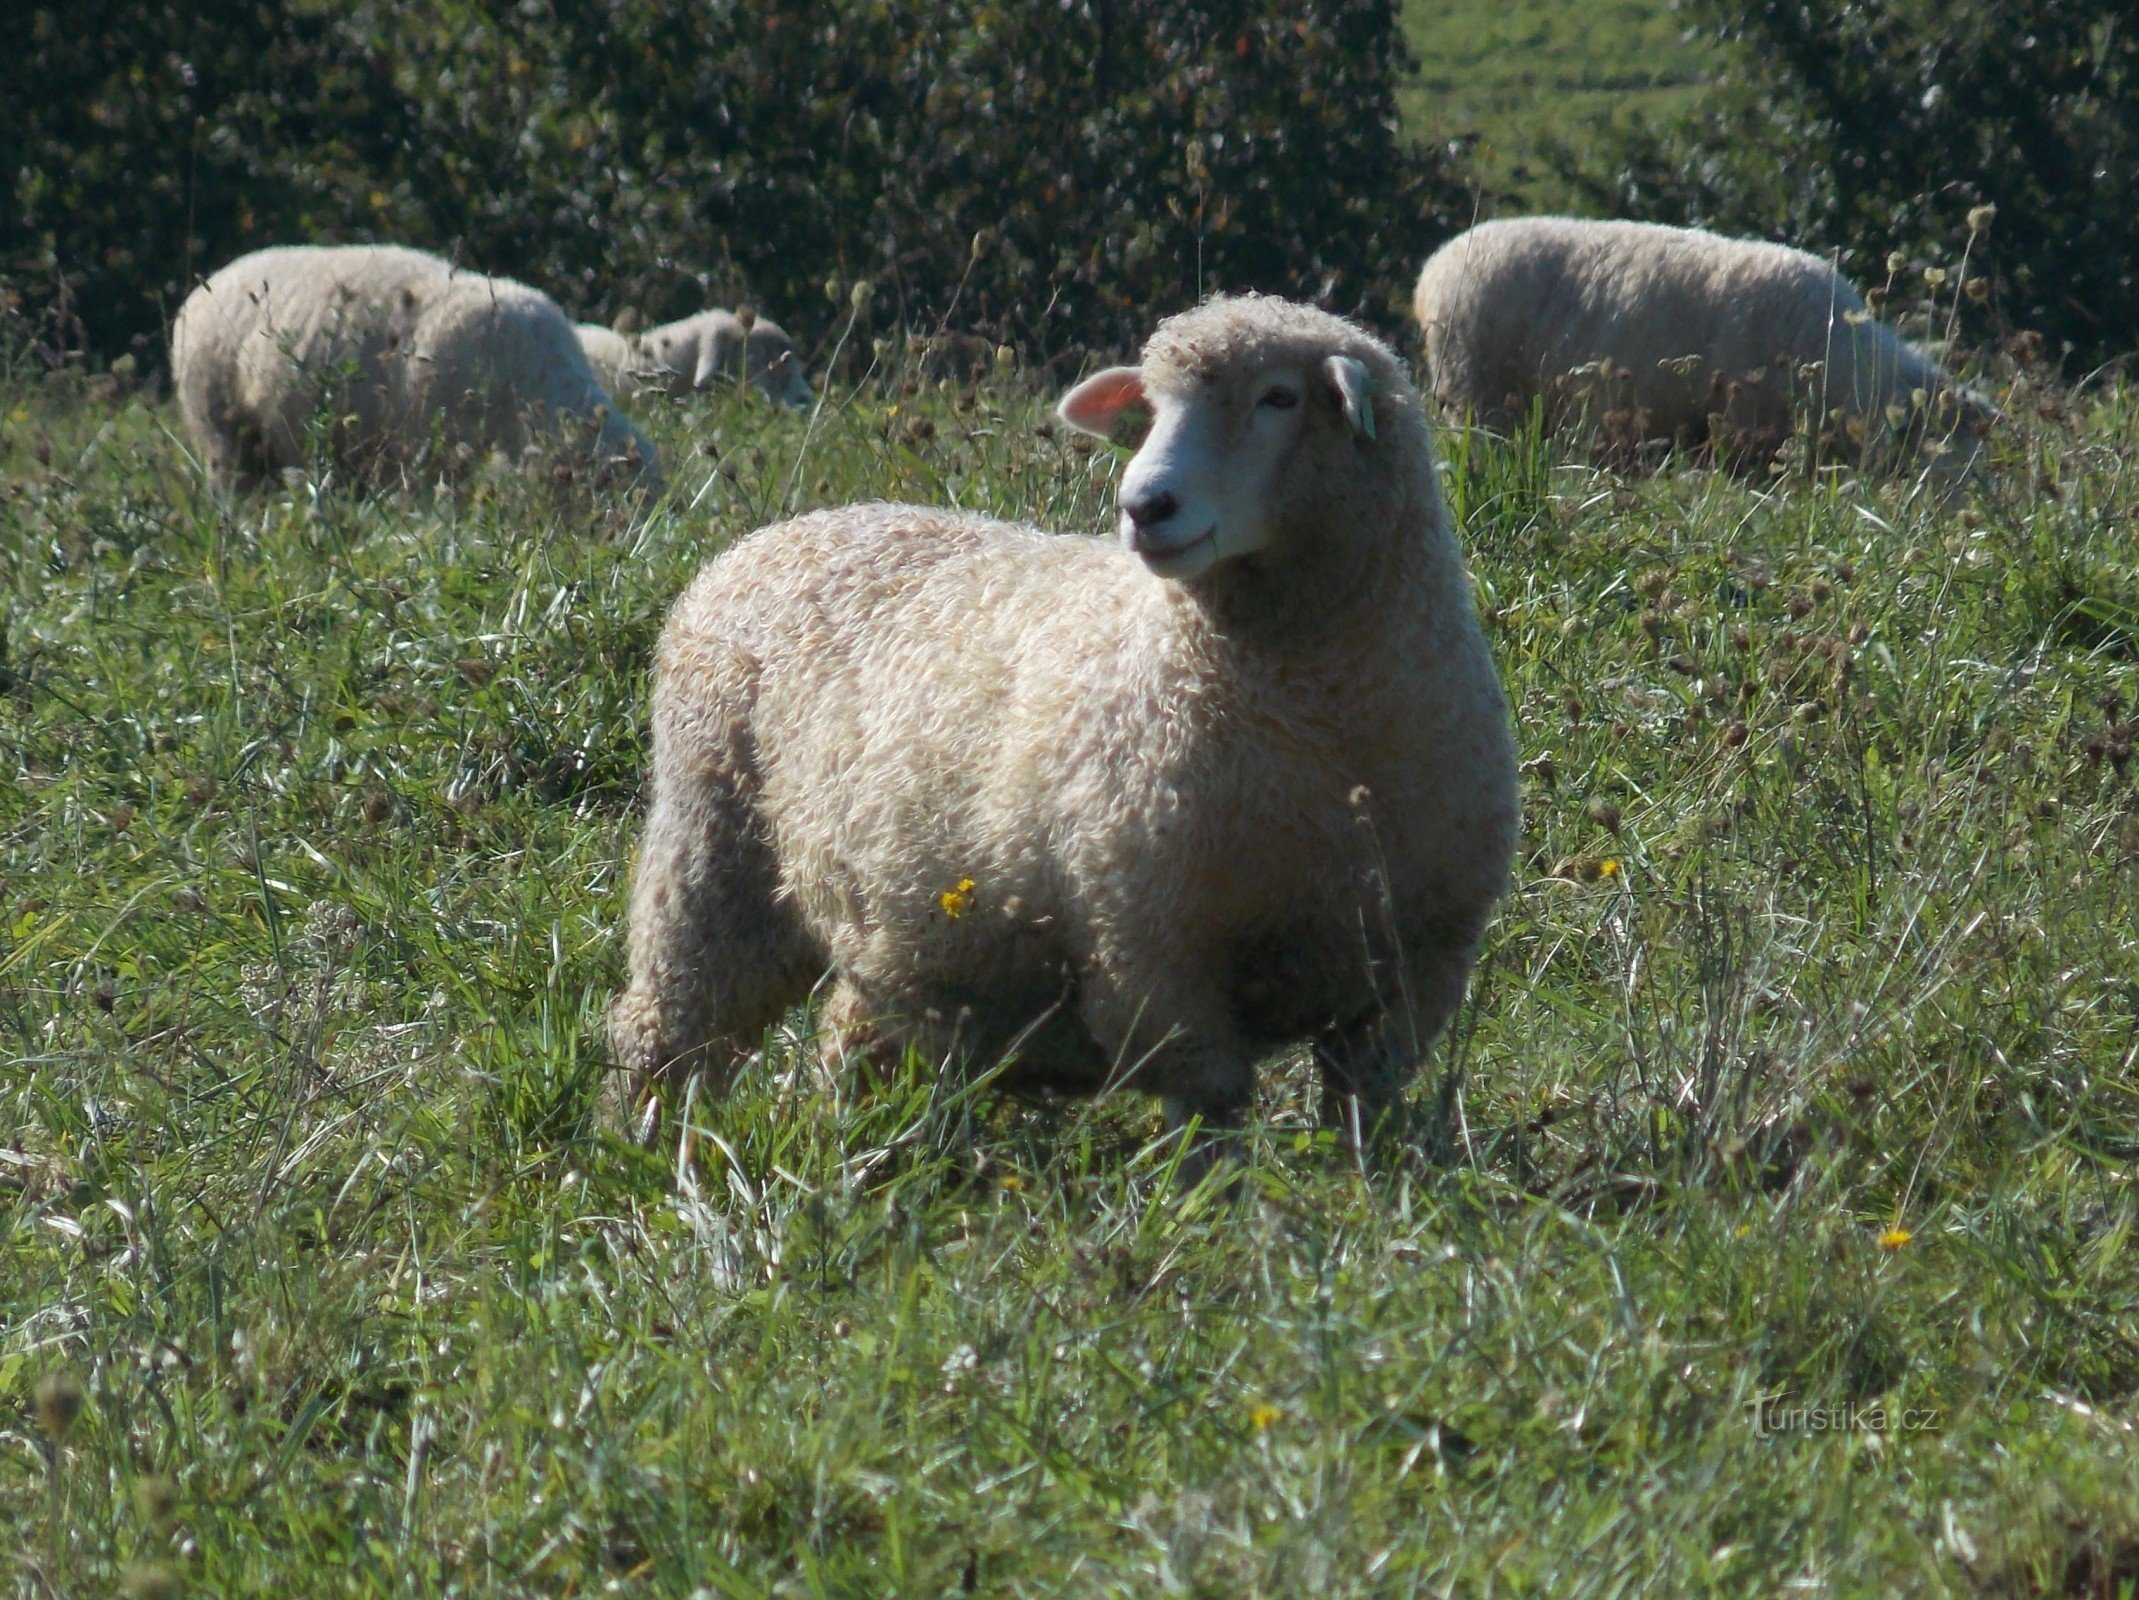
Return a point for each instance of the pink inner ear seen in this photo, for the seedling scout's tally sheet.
(1095, 403)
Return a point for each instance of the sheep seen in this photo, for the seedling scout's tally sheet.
(1675, 333)
(393, 351)
(611, 354)
(678, 357)
(1132, 812)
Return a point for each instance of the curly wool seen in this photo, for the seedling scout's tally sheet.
(1014, 789)
(401, 357)
(1667, 329)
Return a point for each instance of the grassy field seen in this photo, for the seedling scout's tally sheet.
(1508, 78)
(1800, 1067)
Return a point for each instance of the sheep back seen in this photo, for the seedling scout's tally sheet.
(1663, 328)
(390, 351)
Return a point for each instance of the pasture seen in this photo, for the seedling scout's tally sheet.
(1520, 76)
(1767, 1225)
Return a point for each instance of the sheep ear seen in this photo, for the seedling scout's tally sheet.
(709, 363)
(1355, 387)
(1095, 403)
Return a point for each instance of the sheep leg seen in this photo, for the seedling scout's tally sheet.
(1182, 1047)
(715, 956)
(1216, 1138)
(1364, 1068)
(1365, 1065)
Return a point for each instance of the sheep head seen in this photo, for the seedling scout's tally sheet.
(1252, 402)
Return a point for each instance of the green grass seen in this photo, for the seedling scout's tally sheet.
(316, 816)
(1519, 75)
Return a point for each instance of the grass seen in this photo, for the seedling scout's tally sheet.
(1800, 1065)
(1509, 80)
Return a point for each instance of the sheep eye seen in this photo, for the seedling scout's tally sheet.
(1280, 399)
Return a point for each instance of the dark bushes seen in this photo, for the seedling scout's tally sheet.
(1049, 171)
(1877, 125)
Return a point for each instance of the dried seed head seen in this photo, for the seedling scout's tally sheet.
(156, 1498)
(1604, 814)
(1981, 217)
(153, 1580)
(58, 1399)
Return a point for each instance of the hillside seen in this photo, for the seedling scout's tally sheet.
(1513, 73)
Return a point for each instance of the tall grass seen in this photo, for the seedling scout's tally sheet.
(1800, 1066)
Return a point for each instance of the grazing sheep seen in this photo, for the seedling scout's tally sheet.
(611, 355)
(392, 353)
(1140, 812)
(698, 351)
(1673, 333)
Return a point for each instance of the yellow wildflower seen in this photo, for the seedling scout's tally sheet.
(954, 900)
(1608, 868)
(1262, 1415)
(1894, 1237)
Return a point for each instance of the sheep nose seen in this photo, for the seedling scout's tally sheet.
(1147, 510)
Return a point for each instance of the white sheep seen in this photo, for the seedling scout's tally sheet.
(612, 355)
(1674, 333)
(393, 356)
(1140, 812)
(678, 357)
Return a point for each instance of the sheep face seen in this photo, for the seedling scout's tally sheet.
(703, 350)
(776, 369)
(1205, 486)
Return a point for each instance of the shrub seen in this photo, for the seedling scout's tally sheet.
(1055, 172)
(1880, 125)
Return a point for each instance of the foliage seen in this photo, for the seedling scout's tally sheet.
(1870, 126)
(1049, 172)
(313, 827)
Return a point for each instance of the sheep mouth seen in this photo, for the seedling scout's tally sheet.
(1167, 560)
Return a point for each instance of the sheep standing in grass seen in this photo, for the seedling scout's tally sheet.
(1673, 333)
(699, 351)
(392, 355)
(1137, 812)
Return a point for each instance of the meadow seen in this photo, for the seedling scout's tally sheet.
(1766, 1226)
(1510, 81)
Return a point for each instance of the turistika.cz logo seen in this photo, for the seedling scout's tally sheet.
(1773, 1413)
